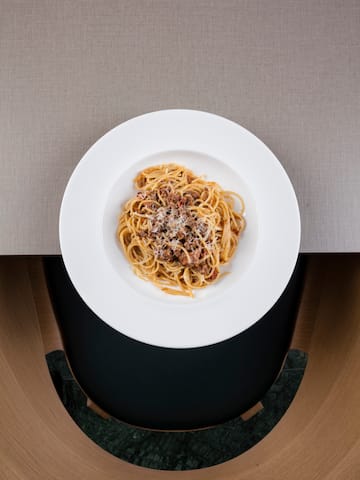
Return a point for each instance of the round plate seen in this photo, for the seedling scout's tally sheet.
(222, 151)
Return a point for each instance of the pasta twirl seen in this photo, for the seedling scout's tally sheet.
(179, 228)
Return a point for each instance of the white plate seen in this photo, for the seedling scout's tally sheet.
(226, 153)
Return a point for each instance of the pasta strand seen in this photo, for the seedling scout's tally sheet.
(179, 229)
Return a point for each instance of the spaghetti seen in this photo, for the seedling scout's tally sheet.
(179, 228)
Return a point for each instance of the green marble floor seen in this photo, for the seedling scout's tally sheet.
(178, 450)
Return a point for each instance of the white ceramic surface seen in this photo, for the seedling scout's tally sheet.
(223, 151)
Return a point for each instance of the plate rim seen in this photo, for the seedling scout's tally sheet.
(174, 112)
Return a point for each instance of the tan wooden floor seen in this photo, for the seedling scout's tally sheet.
(318, 438)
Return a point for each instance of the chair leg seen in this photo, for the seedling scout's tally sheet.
(252, 411)
(95, 408)
(48, 327)
(309, 302)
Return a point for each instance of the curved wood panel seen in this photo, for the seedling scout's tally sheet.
(318, 438)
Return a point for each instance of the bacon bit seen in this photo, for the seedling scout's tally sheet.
(175, 228)
(204, 268)
(195, 255)
(140, 181)
(214, 275)
(167, 254)
(184, 259)
(194, 195)
(191, 258)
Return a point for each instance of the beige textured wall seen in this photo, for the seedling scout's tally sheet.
(289, 71)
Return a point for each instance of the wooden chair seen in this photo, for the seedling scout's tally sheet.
(171, 389)
(318, 438)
